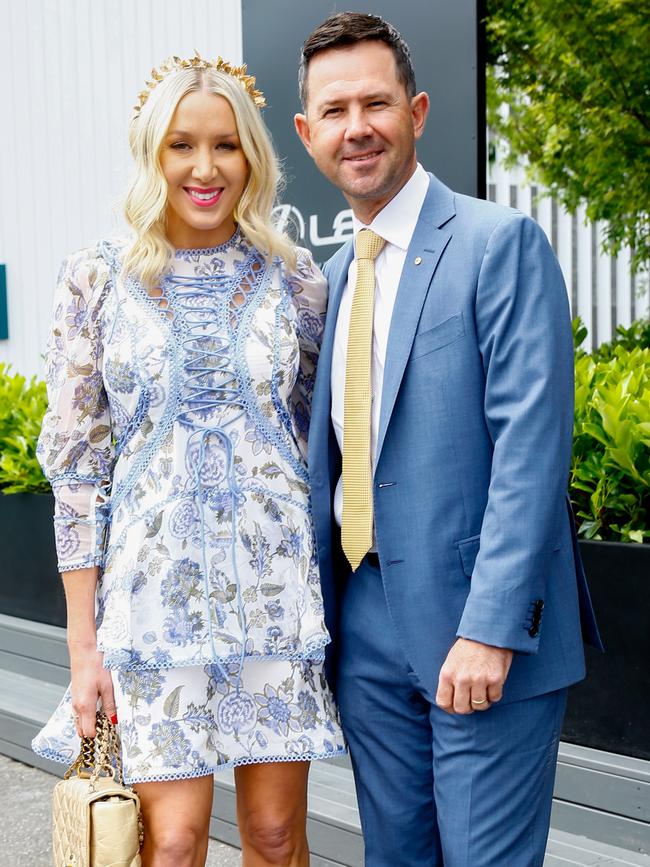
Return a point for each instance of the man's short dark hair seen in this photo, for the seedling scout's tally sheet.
(349, 28)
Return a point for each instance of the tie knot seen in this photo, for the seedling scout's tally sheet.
(368, 244)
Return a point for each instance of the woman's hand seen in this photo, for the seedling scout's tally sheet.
(90, 681)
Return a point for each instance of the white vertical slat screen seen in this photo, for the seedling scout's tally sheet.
(584, 269)
(601, 289)
(623, 288)
(69, 74)
(564, 253)
(603, 282)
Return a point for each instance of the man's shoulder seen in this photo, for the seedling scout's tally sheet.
(474, 214)
(483, 211)
(483, 223)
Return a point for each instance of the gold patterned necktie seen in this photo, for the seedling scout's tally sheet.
(356, 530)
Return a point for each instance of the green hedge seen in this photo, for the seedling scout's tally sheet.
(22, 406)
(610, 468)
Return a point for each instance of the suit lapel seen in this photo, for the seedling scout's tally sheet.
(427, 246)
(322, 398)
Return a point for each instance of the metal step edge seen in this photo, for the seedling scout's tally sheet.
(597, 825)
(605, 762)
(33, 640)
(583, 851)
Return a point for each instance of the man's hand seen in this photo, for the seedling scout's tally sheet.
(472, 676)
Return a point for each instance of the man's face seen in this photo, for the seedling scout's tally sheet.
(360, 126)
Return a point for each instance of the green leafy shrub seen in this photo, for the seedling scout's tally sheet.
(22, 406)
(637, 335)
(610, 469)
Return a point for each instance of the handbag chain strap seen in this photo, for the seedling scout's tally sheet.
(99, 755)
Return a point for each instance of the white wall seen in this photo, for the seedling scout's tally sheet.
(69, 74)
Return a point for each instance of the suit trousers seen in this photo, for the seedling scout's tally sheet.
(434, 788)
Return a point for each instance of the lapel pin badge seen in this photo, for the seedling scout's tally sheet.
(418, 260)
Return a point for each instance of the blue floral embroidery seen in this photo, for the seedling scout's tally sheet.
(143, 686)
(236, 713)
(181, 584)
(119, 376)
(274, 610)
(170, 742)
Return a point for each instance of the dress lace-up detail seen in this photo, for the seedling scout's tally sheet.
(208, 313)
(205, 310)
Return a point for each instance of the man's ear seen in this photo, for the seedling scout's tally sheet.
(302, 128)
(419, 112)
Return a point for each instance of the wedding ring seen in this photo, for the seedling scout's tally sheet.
(483, 701)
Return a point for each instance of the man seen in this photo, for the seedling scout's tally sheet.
(440, 442)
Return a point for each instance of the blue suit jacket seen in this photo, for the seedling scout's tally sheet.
(473, 525)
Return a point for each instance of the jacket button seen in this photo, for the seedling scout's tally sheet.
(534, 630)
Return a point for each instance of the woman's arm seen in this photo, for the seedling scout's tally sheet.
(76, 452)
(75, 447)
(309, 291)
(89, 677)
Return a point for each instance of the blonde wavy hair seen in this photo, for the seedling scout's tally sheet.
(145, 204)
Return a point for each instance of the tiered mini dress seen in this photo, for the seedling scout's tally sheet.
(175, 443)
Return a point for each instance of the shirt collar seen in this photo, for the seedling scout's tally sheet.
(397, 220)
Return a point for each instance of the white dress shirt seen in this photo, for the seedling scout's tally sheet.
(395, 223)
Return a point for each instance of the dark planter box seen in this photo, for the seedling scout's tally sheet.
(610, 709)
(30, 585)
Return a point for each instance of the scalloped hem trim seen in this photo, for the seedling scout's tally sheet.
(50, 754)
(206, 771)
(235, 763)
(115, 659)
(83, 564)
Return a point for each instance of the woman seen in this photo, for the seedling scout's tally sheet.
(180, 372)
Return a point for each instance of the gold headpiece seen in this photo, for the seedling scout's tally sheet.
(172, 64)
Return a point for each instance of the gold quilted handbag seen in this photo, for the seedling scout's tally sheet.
(95, 817)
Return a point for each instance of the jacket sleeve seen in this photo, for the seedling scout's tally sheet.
(524, 335)
(309, 293)
(75, 446)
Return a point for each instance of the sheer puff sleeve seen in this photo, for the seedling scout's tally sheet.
(309, 292)
(75, 447)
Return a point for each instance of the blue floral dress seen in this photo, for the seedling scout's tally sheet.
(175, 443)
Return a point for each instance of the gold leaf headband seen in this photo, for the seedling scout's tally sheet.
(173, 64)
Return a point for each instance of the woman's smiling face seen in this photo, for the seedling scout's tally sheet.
(205, 169)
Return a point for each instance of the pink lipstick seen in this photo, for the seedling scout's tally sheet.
(204, 197)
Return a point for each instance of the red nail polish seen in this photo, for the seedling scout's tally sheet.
(114, 719)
